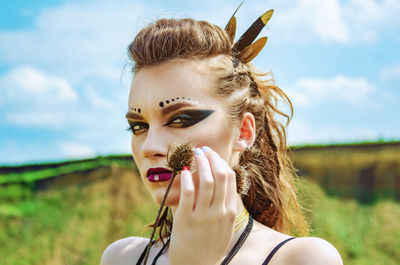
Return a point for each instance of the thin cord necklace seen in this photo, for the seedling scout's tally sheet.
(231, 253)
(241, 219)
(239, 243)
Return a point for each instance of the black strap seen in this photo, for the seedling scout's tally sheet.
(227, 259)
(267, 260)
(143, 253)
(160, 252)
(156, 257)
(240, 242)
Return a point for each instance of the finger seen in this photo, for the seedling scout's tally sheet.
(186, 199)
(220, 173)
(206, 186)
(231, 193)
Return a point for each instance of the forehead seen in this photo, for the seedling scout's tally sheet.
(190, 79)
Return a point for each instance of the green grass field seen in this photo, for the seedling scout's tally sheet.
(70, 216)
(362, 233)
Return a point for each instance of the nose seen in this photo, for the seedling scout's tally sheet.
(154, 146)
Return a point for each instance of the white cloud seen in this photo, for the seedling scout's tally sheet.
(76, 39)
(305, 20)
(51, 118)
(31, 97)
(302, 132)
(368, 18)
(311, 91)
(76, 150)
(89, 38)
(46, 119)
(97, 100)
(28, 83)
(390, 73)
(334, 21)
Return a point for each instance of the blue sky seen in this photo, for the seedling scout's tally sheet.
(63, 88)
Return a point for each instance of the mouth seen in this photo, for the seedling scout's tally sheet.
(158, 174)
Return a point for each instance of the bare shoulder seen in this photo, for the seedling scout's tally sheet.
(307, 250)
(124, 251)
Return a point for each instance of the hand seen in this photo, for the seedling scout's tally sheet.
(203, 229)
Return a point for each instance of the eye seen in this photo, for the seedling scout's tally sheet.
(188, 118)
(181, 121)
(137, 127)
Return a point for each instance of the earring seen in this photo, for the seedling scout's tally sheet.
(247, 148)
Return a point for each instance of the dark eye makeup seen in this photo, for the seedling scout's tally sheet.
(137, 127)
(188, 118)
(183, 119)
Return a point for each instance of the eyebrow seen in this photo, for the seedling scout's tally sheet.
(174, 107)
(165, 111)
(134, 116)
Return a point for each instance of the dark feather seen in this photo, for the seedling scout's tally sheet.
(251, 34)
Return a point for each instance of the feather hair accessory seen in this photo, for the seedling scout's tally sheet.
(244, 49)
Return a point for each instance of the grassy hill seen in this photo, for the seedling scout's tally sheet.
(72, 214)
(366, 172)
(71, 222)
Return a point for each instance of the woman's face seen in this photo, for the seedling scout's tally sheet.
(173, 103)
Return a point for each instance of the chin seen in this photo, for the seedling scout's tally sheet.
(172, 199)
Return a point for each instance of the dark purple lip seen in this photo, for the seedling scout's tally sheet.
(159, 177)
(158, 174)
(157, 170)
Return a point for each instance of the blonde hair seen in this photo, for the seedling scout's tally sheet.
(265, 174)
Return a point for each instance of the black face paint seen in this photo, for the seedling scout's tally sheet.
(182, 119)
(135, 109)
(162, 103)
(187, 118)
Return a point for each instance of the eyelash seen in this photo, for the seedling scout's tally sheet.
(133, 124)
(186, 121)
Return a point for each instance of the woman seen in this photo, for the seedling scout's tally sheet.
(237, 204)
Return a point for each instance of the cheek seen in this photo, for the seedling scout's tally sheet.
(218, 137)
(134, 146)
(135, 151)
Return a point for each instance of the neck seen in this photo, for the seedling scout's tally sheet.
(236, 235)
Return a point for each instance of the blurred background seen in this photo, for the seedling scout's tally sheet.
(68, 186)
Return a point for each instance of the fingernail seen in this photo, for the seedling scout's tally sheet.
(185, 168)
(206, 148)
(198, 151)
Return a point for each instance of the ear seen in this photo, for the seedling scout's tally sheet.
(247, 133)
